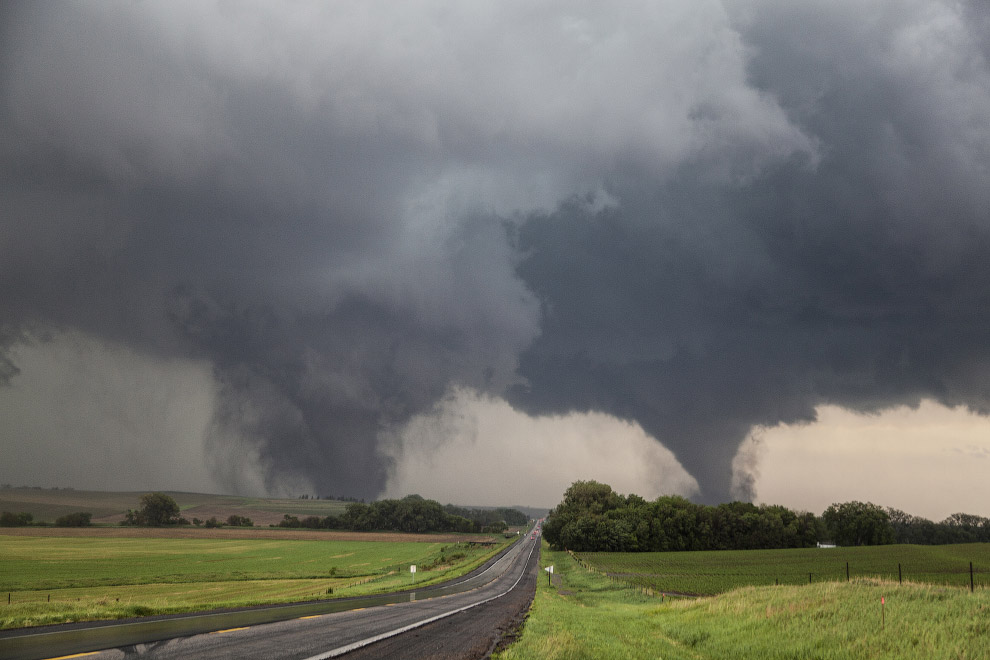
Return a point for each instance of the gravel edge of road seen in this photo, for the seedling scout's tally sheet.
(512, 633)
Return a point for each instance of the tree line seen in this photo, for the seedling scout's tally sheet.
(412, 514)
(485, 517)
(594, 518)
(24, 519)
(957, 528)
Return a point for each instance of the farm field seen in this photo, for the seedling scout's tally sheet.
(47, 504)
(705, 573)
(54, 579)
(269, 533)
(587, 615)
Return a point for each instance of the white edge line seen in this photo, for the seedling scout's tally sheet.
(454, 583)
(398, 631)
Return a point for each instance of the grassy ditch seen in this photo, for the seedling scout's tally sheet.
(56, 579)
(588, 615)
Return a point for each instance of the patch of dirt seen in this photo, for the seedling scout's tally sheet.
(556, 581)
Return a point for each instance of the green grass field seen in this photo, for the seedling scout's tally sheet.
(717, 572)
(587, 615)
(105, 578)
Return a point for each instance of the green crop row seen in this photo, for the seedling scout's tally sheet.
(720, 571)
(52, 562)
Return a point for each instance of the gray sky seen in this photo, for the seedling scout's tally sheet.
(263, 248)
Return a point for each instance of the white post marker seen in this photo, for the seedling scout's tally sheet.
(549, 570)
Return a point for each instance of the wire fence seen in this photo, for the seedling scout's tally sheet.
(710, 577)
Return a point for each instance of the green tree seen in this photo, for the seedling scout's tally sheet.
(576, 522)
(289, 521)
(157, 509)
(593, 518)
(8, 519)
(357, 517)
(966, 528)
(858, 523)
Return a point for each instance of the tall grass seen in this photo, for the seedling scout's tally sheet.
(588, 615)
(43, 607)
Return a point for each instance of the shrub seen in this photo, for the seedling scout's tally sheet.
(8, 519)
(78, 519)
(289, 521)
(157, 509)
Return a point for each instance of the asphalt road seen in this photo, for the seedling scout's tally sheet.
(437, 623)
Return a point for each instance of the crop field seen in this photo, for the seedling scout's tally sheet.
(296, 507)
(56, 579)
(238, 533)
(586, 615)
(47, 504)
(718, 572)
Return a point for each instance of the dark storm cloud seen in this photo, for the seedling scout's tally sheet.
(190, 207)
(864, 280)
(348, 209)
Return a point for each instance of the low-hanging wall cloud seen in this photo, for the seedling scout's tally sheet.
(701, 217)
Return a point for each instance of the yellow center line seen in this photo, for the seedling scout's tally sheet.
(217, 632)
(74, 655)
(311, 616)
